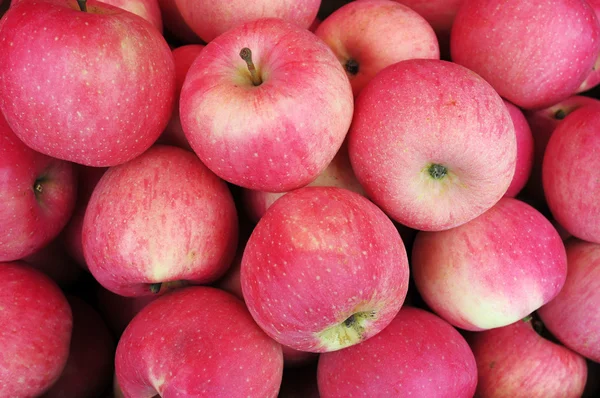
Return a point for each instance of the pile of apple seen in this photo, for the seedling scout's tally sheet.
(299, 198)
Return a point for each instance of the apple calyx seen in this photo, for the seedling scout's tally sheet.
(82, 5)
(38, 187)
(347, 333)
(560, 114)
(351, 66)
(246, 55)
(159, 287)
(437, 171)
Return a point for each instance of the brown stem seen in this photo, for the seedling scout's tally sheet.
(155, 287)
(246, 55)
(82, 5)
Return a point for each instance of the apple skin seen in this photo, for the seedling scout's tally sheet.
(37, 330)
(366, 36)
(450, 117)
(184, 56)
(574, 315)
(543, 122)
(525, 150)
(417, 354)
(211, 18)
(492, 271)
(89, 368)
(162, 217)
(147, 9)
(337, 174)
(569, 176)
(339, 263)
(197, 341)
(30, 219)
(279, 135)
(514, 361)
(593, 78)
(530, 61)
(110, 90)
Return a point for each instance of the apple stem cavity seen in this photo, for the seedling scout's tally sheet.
(155, 287)
(82, 5)
(347, 333)
(437, 171)
(351, 67)
(246, 55)
(38, 187)
(560, 114)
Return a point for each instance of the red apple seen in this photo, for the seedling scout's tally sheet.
(337, 174)
(525, 150)
(92, 87)
(324, 269)
(542, 123)
(366, 36)
(418, 355)
(184, 57)
(197, 341)
(534, 53)
(569, 173)
(275, 131)
(89, 368)
(493, 270)
(450, 158)
(36, 331)
(38, 195)
(574, 315)
(515, 361)
(54, 261)
(158, 221)
(147, 9)
(118, 310)
(211, 18)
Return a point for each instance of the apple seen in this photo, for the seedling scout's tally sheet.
(569, 173)
(87, 179)
(94, 87)
(366, 36)
(451, 157)
(159, 221)
(147, 9)
(211, 18)
(197, 341)
(37, 326)
(493, 270)
(530, 61)
(275, 128)
(54, 261)
(593, 77)
(525, 150)
(89, 368)
(574, 315)
(324, 269)
(117, 311)
(515, 361)
(337, 174)
(542, 123)
(38, 195)
(418, 354)
(184, 56)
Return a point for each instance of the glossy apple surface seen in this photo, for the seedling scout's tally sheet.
(147, 9)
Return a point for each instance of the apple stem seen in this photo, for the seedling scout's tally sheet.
(560, 114)
(351, 67)
(155, 287)
(82, 5)
(246, 55)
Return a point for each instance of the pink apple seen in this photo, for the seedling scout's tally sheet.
(197, 341)
(277, 130)
(525, 150)
(211, 18)
(89, 368)
(147, 9)
(451, 157)
(493, 270)
(95, 87)
(36, 330)
(569, 173)
(418, 355)
(574, 315)
(515, 361)
(593, 78)
(184, 56)
(38, 195)
(534, 62)
(324, 269)
(87, 179)
(542, 123)
(159, 221)
(337, 174)
(54, 261)
(118, 310)
(366, 36)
